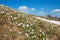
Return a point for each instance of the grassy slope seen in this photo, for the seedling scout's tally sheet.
(19, 26)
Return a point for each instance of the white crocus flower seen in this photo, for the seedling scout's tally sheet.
(35, 36)
(40, 30)
(11, 16)
(43, 38)
(20, 32)
(27, 25)
(20, 24)
(32, 30)
(43, 33)
(27, 35)
(23, 25)
(15, 18)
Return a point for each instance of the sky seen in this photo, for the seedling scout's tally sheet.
(35, 7)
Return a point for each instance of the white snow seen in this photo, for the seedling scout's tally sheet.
(50, 21)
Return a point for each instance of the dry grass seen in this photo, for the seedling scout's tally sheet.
(16, 25)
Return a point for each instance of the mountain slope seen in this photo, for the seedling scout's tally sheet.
(16, 25)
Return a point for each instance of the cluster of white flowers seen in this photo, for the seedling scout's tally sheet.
(11, 16)
(27, 35)
(20, 24)
(42, 32)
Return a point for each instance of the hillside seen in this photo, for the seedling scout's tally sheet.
(15, 25)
